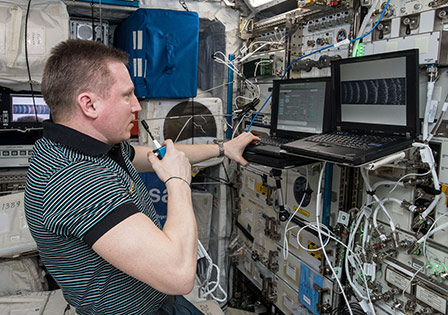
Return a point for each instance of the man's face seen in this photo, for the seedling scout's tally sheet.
(120, 106)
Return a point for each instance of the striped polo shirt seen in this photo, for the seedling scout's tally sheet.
(77, 189)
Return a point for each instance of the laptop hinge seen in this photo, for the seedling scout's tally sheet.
(338, 128)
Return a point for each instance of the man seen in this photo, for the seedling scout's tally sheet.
(88, 210)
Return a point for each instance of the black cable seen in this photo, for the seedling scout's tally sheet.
(343, 309)
(218, 179)
(225, 171)
(67, 308)
(93, 22)
(27, 60)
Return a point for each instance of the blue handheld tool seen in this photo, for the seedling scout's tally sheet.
(159, 151)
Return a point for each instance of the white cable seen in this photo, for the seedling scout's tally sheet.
(311, 249)
(319, 232)
(431, 232)
(243, 98)
(208, 287)
(313, 225)
(182, 129)
(261, 62)
(238, 125)
(285, 241)
(366, 19)
(428, 157)
(375, 213)
(430, 89)
(264, 43)
(369, 189)
(398, 183)
(214, 88)
(365, 235)
(439, 121)
(346, 263)
(387, 182)
(423, 239)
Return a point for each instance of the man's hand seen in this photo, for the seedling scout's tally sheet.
(234, 148)
(174, 163)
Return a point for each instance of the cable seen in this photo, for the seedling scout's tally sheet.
(183, 127)
(431, 232)
(347, 271)
(214, 88)
(285, 241)
(207, 286)
(319, 232)
(398, 183)
(423, 239)
(439, 120)
(238, 125)
(364, 25)
(313, 225)
(319, 50)
(27, 60)
(427, 156)
(372, 194)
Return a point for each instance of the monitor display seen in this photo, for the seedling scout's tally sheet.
(25, 110)
(299, 105)
(378, 94)
(374, 92)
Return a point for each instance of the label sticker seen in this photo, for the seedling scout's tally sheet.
(288, 303)
(291, 271)
(251, 183)
(36, 40)
(398, 280)
(430, 298)
(293, 239)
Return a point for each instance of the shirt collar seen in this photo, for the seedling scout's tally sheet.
(75, 139)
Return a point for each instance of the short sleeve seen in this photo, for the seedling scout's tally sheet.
(79, 196)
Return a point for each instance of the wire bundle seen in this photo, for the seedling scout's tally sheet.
(343, 309)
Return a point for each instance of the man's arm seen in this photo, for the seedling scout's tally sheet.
(196, 153)
(164, 259)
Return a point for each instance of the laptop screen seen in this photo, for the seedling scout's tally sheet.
(378, 92)
(299, 105)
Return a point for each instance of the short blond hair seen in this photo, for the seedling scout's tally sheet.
(76, 66)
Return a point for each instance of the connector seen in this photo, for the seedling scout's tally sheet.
(395, 239)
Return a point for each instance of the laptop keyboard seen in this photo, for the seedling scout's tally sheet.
(348, 140)
(275, 141)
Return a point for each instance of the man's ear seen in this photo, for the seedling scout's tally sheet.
(87, 104)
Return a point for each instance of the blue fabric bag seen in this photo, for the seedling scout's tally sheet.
(163, 52)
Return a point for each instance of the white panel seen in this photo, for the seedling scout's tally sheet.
(427, 21)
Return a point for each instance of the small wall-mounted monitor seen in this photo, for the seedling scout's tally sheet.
(28, 108)
(21, 117)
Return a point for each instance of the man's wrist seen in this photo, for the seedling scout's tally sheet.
(221, 151)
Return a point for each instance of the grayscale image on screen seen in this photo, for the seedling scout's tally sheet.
(379, 91)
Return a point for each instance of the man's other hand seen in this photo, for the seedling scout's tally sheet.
(234, 148)
(173, 164)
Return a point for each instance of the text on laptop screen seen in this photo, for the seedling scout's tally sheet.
(374, 91)
(24, 110)
(301, 106)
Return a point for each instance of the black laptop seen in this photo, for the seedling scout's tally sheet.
(299, 108)
(376, 110)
